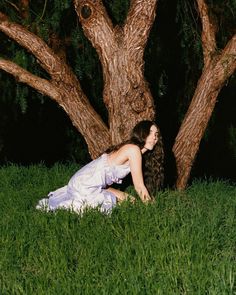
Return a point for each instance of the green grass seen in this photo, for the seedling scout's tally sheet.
(184, 243)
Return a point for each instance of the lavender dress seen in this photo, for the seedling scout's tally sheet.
(87, 188)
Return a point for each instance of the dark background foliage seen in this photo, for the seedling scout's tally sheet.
(35, 129)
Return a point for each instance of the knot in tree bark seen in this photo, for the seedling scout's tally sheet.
(85, 11)
(138, 105)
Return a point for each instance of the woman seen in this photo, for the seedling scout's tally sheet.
(89, 186)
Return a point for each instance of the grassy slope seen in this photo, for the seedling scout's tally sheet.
(184, 243)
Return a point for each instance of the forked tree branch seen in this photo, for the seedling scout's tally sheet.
(134, 34)
(218, 67)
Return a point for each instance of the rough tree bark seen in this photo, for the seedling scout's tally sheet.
(218, 67)
(120, 49)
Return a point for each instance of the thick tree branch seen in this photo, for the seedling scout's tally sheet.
(97, 27)
(22, 75)
(208, 32)
(139, 21)
(34, 44)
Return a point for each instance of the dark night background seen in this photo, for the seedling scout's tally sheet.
(34, 129)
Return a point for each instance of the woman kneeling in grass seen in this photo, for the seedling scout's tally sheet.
(90, 186)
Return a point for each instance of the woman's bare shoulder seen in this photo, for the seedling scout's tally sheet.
(131, 148)
(126, 153)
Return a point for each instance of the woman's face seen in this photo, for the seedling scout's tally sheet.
(152, 138)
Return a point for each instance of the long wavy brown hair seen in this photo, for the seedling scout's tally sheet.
(153, 171)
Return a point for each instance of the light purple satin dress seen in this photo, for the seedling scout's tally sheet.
(87, 188)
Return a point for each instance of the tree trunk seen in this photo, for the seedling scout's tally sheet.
(120, 49)
(193, 127)
(217, 69)
(200, 110)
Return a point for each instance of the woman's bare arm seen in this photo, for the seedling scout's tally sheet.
(121, 196)
(135, 161)
(131, 153)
